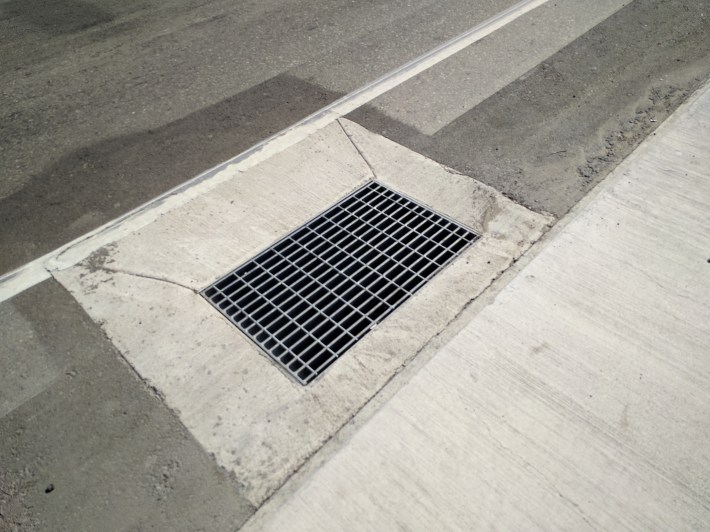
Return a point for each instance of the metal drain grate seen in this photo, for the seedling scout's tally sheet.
(313, 294)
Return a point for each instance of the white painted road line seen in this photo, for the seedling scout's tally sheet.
(71, 253)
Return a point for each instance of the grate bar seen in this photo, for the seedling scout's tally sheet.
(313, 294)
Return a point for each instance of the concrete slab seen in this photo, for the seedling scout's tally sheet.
(257, 422)
(578, 400)
(84, 443)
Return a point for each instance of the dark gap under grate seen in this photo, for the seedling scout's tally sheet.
(313, 294)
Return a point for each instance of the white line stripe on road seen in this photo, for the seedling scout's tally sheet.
(69, 254)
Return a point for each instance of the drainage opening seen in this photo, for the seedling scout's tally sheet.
(313, 294)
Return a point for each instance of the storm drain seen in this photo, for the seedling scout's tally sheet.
(312, 295)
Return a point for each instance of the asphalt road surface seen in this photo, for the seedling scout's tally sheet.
(107, 104)
(104, 105)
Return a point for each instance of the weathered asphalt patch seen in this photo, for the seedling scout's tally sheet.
(258, 423)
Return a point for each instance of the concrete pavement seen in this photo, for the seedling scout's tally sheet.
(144, 290)
(199, 429)
(574, 398)
(577, 400)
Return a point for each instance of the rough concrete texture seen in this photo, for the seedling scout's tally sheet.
(546, 139)
(258, 422)
(105, 105)
(577, 400)
(85, 444)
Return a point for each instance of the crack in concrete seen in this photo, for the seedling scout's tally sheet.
(145, 276)
(357, 148)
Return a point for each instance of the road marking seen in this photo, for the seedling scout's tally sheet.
(34, 272)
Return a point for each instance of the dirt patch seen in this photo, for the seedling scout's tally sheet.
(621, 141)
(100, 258)
(15, 510)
